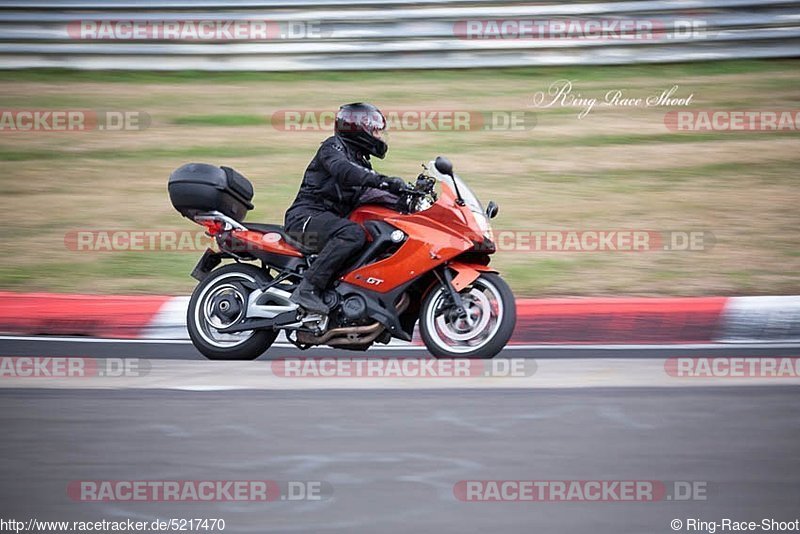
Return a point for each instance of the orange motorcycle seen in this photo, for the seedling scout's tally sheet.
(426, 261)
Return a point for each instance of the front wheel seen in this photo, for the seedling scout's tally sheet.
(489, 317)
(219, 301)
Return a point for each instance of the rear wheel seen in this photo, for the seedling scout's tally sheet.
(219, 301)
(484, 328)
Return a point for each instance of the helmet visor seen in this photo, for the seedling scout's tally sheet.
(370, 120)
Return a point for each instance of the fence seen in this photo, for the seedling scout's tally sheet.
(289, 35)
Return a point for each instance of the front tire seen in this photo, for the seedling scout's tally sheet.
(491, 315)
(219, 301)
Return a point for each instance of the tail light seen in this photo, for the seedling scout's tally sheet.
(217, 223)
(213, 226)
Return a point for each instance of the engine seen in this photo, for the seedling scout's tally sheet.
(354, 309)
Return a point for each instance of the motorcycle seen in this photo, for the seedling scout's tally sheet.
(426, 261)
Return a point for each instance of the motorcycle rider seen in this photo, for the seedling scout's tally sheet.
(336, 178)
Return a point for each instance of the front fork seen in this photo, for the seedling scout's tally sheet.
(446, 279)
(465, 274)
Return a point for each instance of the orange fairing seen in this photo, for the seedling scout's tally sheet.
(269, 242)
(434, 236)
(465, 274)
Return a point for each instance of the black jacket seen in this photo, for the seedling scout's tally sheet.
(333, 181)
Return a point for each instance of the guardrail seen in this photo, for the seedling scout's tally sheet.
(386, 34)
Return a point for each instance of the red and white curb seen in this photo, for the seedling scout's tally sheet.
(170, 321)
(749, 319)
(566, 320)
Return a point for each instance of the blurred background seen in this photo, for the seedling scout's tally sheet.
(670, 117)
(252, 85)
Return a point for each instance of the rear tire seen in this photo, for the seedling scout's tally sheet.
(491, 317)
(224, 284)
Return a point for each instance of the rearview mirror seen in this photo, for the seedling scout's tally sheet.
(491, 209)
(443, 165)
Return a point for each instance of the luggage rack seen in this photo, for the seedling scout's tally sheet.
(230, 223)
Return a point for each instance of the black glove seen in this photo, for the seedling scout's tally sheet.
(394, 185)
(374, 179)
(425, 184)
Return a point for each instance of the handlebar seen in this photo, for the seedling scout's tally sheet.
(413, 190)
(384, 186)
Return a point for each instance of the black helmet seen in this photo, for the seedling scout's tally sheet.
(362, 125)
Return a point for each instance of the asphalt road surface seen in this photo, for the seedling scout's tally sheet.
(388, 456)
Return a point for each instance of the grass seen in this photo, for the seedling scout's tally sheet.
(147, 154)
(615, 168)
(220, 120)
(677, 70)
(240, 151)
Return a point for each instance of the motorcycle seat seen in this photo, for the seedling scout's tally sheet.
(278, 229)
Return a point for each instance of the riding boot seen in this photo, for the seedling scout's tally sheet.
(309, 297)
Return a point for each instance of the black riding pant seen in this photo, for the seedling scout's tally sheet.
(334, 239)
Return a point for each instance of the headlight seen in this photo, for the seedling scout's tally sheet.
(397, 236)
